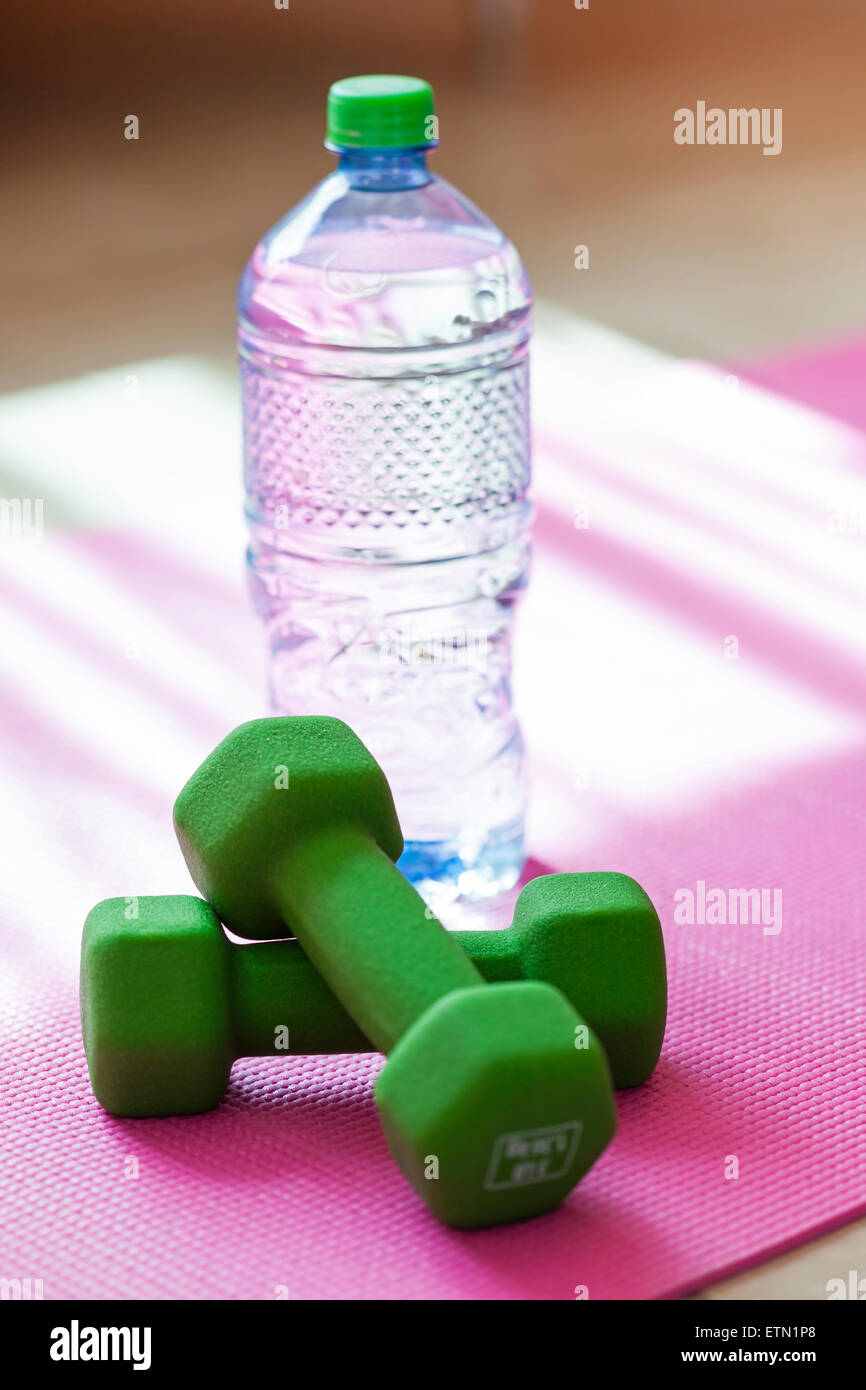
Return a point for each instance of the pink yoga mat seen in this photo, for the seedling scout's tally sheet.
(660, 748)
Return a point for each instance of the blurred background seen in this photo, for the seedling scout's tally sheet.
(557, 122)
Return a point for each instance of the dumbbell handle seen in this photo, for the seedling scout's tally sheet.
(275, 986)
(368, 932)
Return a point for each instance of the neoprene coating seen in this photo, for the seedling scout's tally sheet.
(167, 1002)
(497, 1098)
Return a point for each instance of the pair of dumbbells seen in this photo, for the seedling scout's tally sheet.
(497, 1095)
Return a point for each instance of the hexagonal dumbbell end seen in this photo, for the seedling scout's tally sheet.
(269, 784)
(598, 938)
(496, 1102)
(155, 1005)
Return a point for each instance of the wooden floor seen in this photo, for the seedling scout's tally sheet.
(561, 127)
(118, 250)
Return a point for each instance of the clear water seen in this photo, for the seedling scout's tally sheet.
(383, 335)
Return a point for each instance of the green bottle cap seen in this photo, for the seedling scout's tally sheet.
(380, 113)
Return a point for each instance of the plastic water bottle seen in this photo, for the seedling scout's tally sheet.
(383, 331)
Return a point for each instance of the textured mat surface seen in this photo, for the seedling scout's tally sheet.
(655, 752)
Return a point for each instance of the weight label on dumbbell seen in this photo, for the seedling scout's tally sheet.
(532, 1155)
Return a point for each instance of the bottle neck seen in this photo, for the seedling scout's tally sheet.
(385, 171)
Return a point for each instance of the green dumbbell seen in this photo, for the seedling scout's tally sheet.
(490, 1108)
(168, 1003)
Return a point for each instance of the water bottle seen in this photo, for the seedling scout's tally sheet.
(383, 334)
